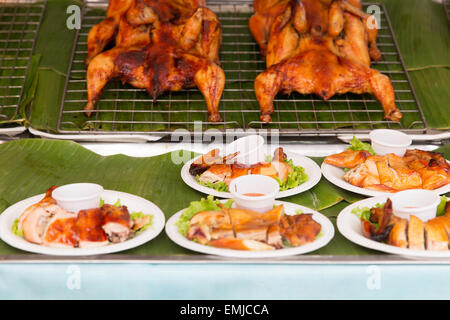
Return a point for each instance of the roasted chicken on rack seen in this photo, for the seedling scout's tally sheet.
(384, 226)
(239, 229)
(160, 46)
(320, 47)
(391, 173)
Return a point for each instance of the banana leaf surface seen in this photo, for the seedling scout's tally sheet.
(29, 166)
(420, 26)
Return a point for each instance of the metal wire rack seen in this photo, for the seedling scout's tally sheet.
(124, 109)
(19, 26)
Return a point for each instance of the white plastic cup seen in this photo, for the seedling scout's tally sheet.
(254, 184)
(418, 202)
(250, 148)
(385, 141)
(78, 196)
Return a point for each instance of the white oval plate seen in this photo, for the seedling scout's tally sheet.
(134, 203)
(327, 233)
(335, 174)
(349, 225)
(311, 169)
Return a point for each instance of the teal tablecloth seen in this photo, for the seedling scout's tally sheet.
(234, 281)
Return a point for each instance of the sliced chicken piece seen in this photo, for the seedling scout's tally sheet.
(397, 175)
(60, 231)
(116, 223)
(436, 237)
(364, 175)
(347, 159)
(299, 229)
(216, 173)
(398, 236)
(240, 244)
(34, 221)
(208, 225)
(416, 234)
(274, 237)
(89, 228)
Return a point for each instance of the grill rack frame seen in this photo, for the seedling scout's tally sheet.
(6, 51)
(236, 6)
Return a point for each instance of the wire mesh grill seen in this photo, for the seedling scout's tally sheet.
(124, 109)
(19, 25)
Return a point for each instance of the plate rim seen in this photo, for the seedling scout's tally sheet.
(338, 181)
(361, 240)
(11, 239)
(307, 185)
(173, 234)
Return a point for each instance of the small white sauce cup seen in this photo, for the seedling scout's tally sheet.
(250, 148)
(385, 141)
(418, 202)
(254, 184)
(78, 196)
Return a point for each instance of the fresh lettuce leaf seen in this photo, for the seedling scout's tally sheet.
(441, 207)
(358, 145)
(219, 186)
(140, 214)
(208, 204)
(16, 230)
(295, 178)
(364, 213)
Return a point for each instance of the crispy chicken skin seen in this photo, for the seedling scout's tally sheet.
(299, 229)
(60, 231)
(116, 222)
(317, 47)
(89, 228)
(416, 233)
(347, 159)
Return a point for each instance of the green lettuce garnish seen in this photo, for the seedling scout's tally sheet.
(208, 204)
(364, 213)
(295, 178)
(358, 145)
(16, 230)
(441, 207)
(219, 185)
(138, 215)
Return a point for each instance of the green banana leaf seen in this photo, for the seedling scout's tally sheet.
(29, 166)
(424, 45)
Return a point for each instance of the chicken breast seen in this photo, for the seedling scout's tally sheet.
(398, 236)
(116, 223)
(436, 237)
(89, 228)
(60, 231)
(416, 236)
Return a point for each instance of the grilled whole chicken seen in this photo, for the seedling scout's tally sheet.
(317, 47)
(160, 46)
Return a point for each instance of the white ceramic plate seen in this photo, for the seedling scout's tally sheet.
(311, 169)
(327, 234)
(349, 225)
(134, 203)
(335, 174)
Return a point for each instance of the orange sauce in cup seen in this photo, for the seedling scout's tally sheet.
(253, 194)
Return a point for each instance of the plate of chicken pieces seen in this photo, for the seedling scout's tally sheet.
(217, 227)
(120, 222)
(363, 172)
(212, 172)
(373, 223)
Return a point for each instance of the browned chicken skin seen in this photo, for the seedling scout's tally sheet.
(305, 52)
(161, 46)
